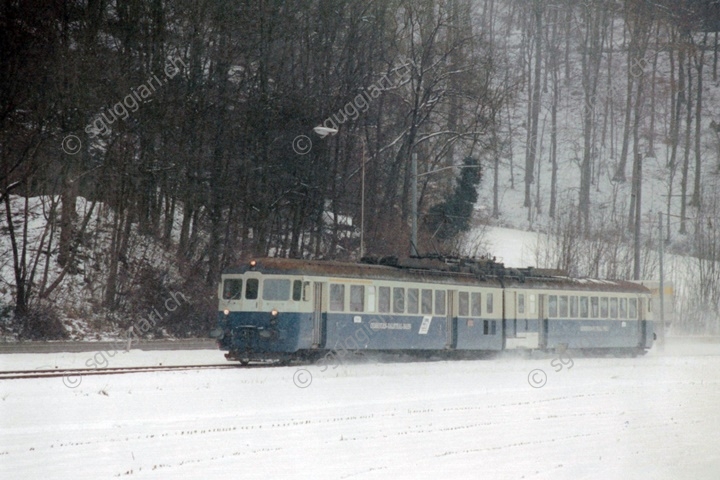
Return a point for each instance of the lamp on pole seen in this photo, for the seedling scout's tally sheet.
(415, 176)
(325, 131)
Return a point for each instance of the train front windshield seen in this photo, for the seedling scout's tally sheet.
(269, 289)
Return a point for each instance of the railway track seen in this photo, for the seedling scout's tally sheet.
(83, 346)
(75, 373)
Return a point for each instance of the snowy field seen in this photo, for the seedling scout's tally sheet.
(514, 248)
(652, 417)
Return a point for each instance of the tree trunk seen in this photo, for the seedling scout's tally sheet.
(686, 158)
(622, 163)
(591, 60)
(553, 141)
(496, 172)
(18, 264)
(535, 107)
(699, 64)
(637, 154)
(677, 89)
(68, 216)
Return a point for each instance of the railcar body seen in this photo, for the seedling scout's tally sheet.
(282, 309)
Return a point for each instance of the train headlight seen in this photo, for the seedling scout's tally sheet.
(253, 263)
(274, 312)
(226, 311)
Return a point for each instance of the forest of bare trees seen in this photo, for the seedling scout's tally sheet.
(189, 125)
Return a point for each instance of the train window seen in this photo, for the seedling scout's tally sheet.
(485, 327)
(633, 308)
(573, 307)
(439, 302)
(306, 291)
(426, 302)
(337, 297)
(563, 306)
(521, 304)
(384, 299)
(463, 304)
(603, 307)
(412, 300)
(583, 307)
(594, 302)
(489, 303)
(613, 308)
(532, 304)
(357, 298)
(276, 289)
(232, 289)
(623, 308)
(492, 327)
(476, 304)
(398, 300)
(370, 299)
(297, 290)
(552, 306)
(251, 288)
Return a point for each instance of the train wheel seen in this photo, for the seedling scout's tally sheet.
(284, 361)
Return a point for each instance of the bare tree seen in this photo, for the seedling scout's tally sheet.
(534, 107)
(595, 26)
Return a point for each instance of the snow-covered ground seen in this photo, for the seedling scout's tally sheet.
(514, 248)
(652, 417)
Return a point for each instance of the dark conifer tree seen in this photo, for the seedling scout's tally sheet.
(451, 217)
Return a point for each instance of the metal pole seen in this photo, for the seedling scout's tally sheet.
(661, 343)
(362, 204)
(414, 214)
(414, 174)
(638, 196)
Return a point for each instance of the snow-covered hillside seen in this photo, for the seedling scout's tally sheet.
(609, 198)
(74, 296)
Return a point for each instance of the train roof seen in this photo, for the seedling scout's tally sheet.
(356, 270)
(471, 272)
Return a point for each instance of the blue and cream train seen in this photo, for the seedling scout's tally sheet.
(283, 309)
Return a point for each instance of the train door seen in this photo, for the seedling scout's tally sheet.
(252, 301)
(509, 320)
(510, 313)
(451, 320)
(542, 322)
(642, 324)
(527, 317)
(506, 331)
(520, 309)
(318, 337)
